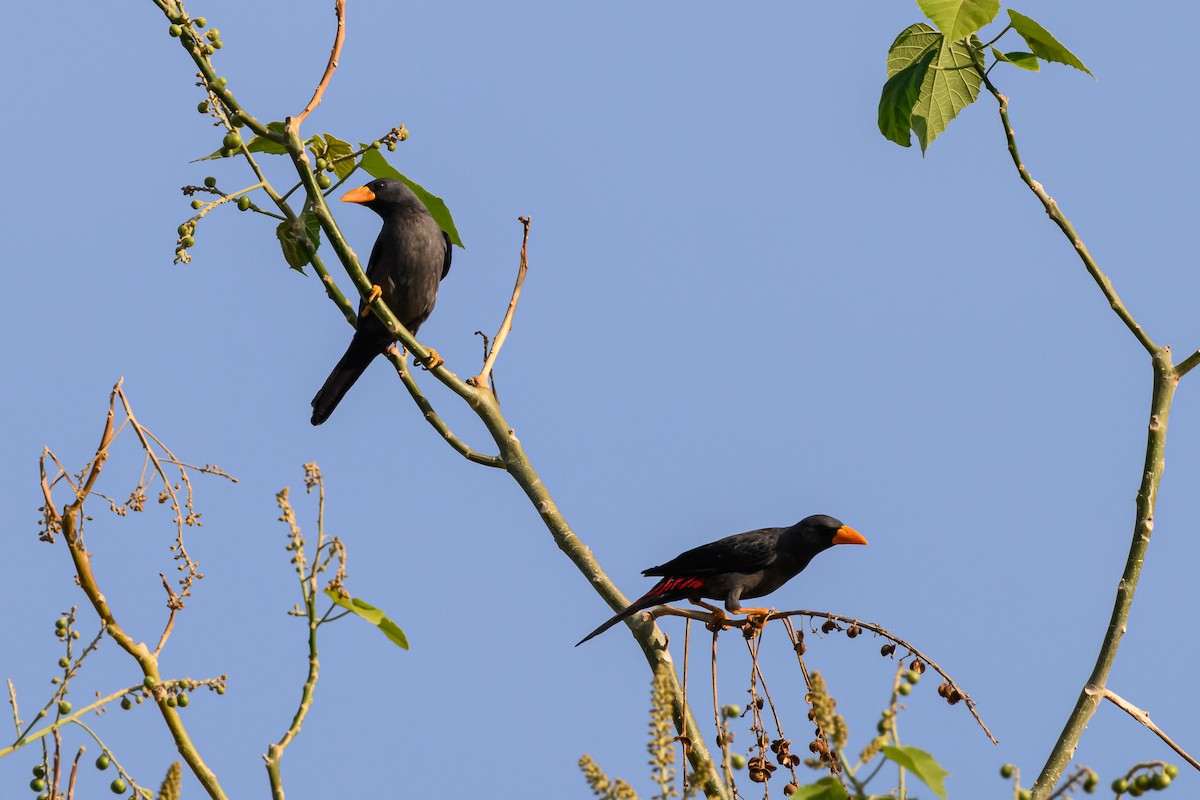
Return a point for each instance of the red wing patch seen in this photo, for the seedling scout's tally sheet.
(675, 585)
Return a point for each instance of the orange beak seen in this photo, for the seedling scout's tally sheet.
(847, 535)
(360, 195)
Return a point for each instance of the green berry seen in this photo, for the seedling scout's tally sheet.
(197, 204)
(226, 152)
(217, 45)
(1025, 794)
(391, 147)
(61, 623)
(64, 662)
(200, 22)
(221, 689)
(74, 634)
(150, 682)
(1007, 771)
(375, 145)
(210, 182)
(1171, 770)
(912, 676)
(232, 140)
(202, 106)
(175, 30)
(1135, 791)
(37, 784)
(117, 786)
(737, 761)
(43, 796)
(184, 229)
(243, 204)
(183, 700)
(1091, 782)
(56, 680)
(221, 82)
(187, 241)
(39, 770)
(904, 689)
(882, 727)
(170, 701)
(1161, 780)
(1142, 782)
(324, 181)
(208, 49)
(322, 163)
(126, 703)
(730, 711)
(102, 761)
(64, 706)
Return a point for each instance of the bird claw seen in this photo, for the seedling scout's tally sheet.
(718, 620)
(375, 294)
(432, 361)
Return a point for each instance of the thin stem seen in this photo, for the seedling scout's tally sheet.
(1143, 717)
(330, 67)
(481, 380)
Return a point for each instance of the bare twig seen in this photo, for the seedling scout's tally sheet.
(481, 380)
(1143, 717)
(334, 54)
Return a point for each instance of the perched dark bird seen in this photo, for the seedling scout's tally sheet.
(741, 566)
(408, 261)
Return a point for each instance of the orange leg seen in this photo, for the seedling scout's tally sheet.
(372, 297)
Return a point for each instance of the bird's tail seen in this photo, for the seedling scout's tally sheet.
(656, 596)
(358, 357)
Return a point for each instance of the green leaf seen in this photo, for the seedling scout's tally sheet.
(959, 18)
(824, 789)
(950, 84)
(1018, 59)
(377, 166)
(899, 96)
(921, 764)
(259, 144)
(1043, 44)
(299, 239)
(335, 149)
(277, 127)
(372, 615)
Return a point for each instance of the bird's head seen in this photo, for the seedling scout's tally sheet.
(383, 195)
(822, 531)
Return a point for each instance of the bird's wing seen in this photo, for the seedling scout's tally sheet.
(742, 552)
(449, 253)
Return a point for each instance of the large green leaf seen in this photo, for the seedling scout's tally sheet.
(824, 789)
(372, 615)
(1023, 60)
(921, 764)
(899, 96)
(337, 149)
(951, 81)
(377, 166)
(299, 239)
(959, 18)
(1042, 42)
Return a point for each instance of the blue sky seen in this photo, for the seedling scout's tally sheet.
(744, 306)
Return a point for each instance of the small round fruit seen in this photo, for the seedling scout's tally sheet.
(1007, 771)
(737, 761)
(227, 152)
(1091, 782)
(102, 761)
(64, 706)
(1171, 770)
(375, 145)
(730, 711)
(1120, 786)
(61, 623)
(221, 689)
(912, 676)
(904, 689)
(208, 49)
(64, 662)
(118, 786)
(175, 30)
(74, 634)
(221, 82)
(37, 784)
(324, 181)
(43, 796)
(183, 700)
(1025, 794)
(210, 182)
(39, 770)
(790, 789)
(200, 22)
(202, 106)
(232, 140)
(1161, 780)
(126, 703)
(243, 204)
(188, 241)
(1142, 782)
(391, 147)
(322, 164)
(197, 204)
(150, 682)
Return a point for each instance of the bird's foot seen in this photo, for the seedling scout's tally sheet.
(376, 293)
(432, 361)
(756, 620)
(718, 619)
